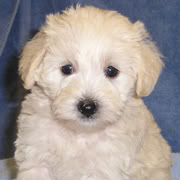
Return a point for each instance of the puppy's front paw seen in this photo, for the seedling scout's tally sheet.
(34, 174)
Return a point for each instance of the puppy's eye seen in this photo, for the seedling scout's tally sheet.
(67, 69)
(111, 72)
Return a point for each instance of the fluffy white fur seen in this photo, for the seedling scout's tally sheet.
(122, 141)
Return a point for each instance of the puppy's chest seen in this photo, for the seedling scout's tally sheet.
(93, 158)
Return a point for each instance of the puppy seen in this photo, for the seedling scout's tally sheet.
(84, 119)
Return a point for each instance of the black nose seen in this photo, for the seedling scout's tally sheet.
(87, 107)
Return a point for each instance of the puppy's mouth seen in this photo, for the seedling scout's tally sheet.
(83, 125)
(91, 119)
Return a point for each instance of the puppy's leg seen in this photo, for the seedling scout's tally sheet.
(34, 174)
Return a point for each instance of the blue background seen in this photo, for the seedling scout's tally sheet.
(20, 20)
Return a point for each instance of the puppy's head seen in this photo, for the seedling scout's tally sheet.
(90, 62)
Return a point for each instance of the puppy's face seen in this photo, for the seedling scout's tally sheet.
(90, 63)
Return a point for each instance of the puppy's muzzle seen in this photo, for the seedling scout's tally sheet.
(87, 107)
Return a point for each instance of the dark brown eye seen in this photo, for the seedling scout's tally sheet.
(111, 72)
(67, 69)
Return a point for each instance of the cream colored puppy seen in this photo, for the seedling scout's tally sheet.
(84, 119)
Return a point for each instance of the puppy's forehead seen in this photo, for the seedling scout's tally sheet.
(86, 32)
(88, 18)
(86, 23)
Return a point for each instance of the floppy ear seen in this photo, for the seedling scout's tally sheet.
(31, 59)
(150, 64)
